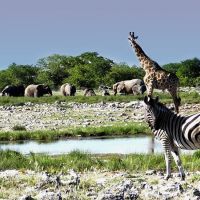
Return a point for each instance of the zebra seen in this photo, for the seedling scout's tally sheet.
(174, 131)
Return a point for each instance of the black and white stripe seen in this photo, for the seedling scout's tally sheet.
(174, 131)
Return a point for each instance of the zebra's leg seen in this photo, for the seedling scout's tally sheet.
(176, 156)
(167, 152)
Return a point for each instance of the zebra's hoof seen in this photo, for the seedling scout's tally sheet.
(182, 176)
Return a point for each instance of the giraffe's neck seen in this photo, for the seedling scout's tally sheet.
(145, 61)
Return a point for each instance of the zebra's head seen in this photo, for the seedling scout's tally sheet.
(152, 109)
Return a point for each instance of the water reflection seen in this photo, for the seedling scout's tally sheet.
(151, 145)
(139, 144)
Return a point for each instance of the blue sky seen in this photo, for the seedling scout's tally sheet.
(168, 31)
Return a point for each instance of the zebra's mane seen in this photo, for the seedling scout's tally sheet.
(163, 107)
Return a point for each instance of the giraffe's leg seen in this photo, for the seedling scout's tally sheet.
(167, 152)
(176, 156)
(149, 87)
(177, 100)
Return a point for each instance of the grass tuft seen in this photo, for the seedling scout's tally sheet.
(48, 135)
(82, 161)
(193, 97)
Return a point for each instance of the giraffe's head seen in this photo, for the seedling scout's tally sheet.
(132, 37)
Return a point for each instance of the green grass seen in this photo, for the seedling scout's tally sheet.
(165, 98)
(80, 161)
(79, 99)
(115, 130)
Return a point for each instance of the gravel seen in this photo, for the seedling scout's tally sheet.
(61, 115)
(100, 185)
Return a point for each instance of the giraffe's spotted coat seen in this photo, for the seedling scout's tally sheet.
(155, 76)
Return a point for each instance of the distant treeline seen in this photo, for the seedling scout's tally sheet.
(89, 70)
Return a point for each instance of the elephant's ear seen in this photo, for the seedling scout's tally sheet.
(115, 86)
(123, 86)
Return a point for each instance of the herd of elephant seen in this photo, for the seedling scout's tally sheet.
(134, 86)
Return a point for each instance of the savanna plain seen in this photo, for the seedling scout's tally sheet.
(83, 175)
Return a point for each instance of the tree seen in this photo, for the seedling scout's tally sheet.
(120, 72)
(4, 79)
(82, 76)
(172, 67)
(91, 71)
(99, 64)
(18, 75)
(190, 68)
(189, 71)
(54, 69)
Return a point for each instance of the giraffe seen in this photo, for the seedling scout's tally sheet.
(155, 76)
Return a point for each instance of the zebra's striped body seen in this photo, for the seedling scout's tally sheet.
(173, 131)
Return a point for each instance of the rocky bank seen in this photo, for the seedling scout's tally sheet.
(62, 115)
(100, 185)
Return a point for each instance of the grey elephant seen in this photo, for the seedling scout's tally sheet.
(134, 86)
(12, 90)
(37, 90)
(89, 92)
(67, 89)
(104, 90)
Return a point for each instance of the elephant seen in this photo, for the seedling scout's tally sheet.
(89, 92)
(68, 90)
(37, 90)
(12, 90)
(101, 87)
(104, 90)
(134, 86)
